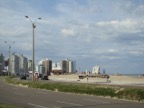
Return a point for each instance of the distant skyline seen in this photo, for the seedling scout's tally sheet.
(107, 33)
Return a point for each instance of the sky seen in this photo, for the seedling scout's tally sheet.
(107, 33)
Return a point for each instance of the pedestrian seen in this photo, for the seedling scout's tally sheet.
(107, 78)
(87, 79)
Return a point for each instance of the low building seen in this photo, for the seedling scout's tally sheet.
(56, 68)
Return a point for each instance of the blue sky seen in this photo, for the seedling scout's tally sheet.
(108, 33)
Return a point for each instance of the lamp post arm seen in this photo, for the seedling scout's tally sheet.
(29, 19)
(36, 20)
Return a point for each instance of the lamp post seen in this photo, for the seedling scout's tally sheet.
(33, 44)
(9, 64)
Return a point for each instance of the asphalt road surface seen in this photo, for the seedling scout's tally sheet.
(36, 98)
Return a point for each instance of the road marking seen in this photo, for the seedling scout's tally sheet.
(96, 101)
(39, 106)
(14, 88)
(42, 93)
(18, 94)
(63, 102)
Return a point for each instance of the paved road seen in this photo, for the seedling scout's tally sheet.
(36, 98)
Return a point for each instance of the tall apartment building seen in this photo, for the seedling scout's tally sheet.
(68, 66)
(47, 65)
(1, 63)
(64, 66)
(23, 64)
(41, 69)
(30, 65)
(18, 64)
(96, 70)
(14, 64)
(72, 66)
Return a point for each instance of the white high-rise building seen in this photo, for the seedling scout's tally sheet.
(14, 64)
(18, 64)
(41, 69)
(30, 65)
(96, 70)
(68, 66)
(72, 66)
(23, 64)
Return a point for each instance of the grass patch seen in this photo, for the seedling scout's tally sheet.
(91, 89)
(7, 106)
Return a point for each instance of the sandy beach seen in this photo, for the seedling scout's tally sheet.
(114, 79)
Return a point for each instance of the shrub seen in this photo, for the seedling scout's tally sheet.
(131, 94)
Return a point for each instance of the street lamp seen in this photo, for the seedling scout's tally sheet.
(9, 64)
(33, 42)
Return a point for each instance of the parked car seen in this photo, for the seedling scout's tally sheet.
(44, 77)
(23, 77)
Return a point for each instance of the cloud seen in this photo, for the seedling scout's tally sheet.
(129, 8)
(68, 32)
(126, 25)
(112, 50)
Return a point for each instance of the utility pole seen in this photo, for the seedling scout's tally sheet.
(9, 63)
